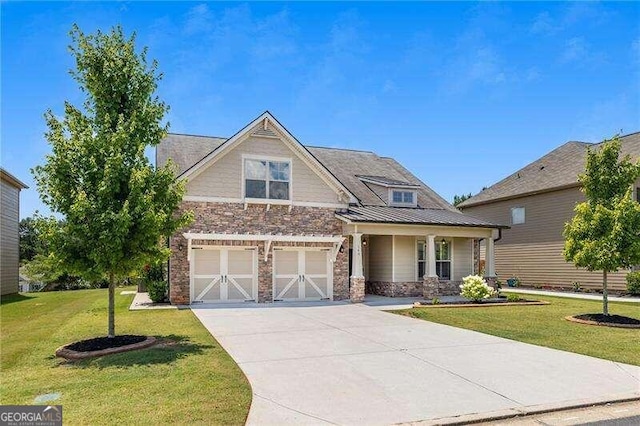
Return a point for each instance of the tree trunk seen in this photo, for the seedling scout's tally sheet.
(605, 295)
(112, 291)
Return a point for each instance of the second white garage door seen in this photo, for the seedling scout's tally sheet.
(302, 274)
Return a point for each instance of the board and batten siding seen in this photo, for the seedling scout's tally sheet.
(395, 258)
(405, 259)
(224, 177)
(9, 238)
(462, 258)
(532, 251)
(380, 258)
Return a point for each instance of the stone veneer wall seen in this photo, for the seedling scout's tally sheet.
(395, 289)
(233, 218)
(410, 289)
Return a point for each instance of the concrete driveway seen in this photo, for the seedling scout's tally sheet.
(355, 364)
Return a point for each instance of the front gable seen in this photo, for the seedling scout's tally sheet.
(220, 176)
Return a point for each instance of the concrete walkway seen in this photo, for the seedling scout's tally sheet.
(337, 363)
(570, 295)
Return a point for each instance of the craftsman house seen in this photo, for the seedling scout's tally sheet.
(276, 220)
(536, 201)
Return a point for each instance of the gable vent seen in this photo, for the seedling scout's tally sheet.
(265, 133)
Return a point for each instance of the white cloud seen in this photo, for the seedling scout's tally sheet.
(198, 20)
(578, 51)
(575, 49)
(544, 24)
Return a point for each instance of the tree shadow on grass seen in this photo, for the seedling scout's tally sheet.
(12, 298)
(168, 350)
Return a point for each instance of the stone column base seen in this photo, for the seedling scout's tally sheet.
(356, 291)
(430, 289)
(491, 282)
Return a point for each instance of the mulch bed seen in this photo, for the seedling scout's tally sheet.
(100, 346)
(605, 320)
(471, 304)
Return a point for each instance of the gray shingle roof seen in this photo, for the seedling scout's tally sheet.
(386, 181)
(185, 150)
(414, 216)
(346, 165)
(557, 169)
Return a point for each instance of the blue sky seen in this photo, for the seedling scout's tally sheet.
(462, 94)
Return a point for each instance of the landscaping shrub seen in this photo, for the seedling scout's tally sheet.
(154, 282)
(511, 297)
(576, 286)
(633, 283)
(475, 288)
(157, 290)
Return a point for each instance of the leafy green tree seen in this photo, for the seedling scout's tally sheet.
(116, 206)
(457, 199)
(31, 242)
(604, 234)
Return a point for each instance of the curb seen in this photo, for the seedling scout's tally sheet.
(526, 411)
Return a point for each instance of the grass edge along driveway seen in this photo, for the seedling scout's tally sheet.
(546, 326)
(189, 379)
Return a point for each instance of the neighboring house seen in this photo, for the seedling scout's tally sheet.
(276, 220)
(9, 236)
(536, 202)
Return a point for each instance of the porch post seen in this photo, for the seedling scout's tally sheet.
(490, 262)
(356, 290)
(430, 285)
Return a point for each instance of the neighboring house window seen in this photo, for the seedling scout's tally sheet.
(517, 216)
(443, 260)
(403, 197)
(638, 194)
(267, 179)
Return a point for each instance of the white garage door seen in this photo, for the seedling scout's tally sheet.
(221, 274)
(302, 274)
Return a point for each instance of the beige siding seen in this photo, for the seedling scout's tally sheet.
(543, 264)
(545, 216)
(533, 251)
(405, 258)
(224, 177)
(380, 258)
(9, 253)
(462, 258)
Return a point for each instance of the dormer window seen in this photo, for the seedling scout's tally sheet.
(403, 197)
(267, 179)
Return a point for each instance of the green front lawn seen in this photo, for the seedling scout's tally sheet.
(192, 380)
(545, 326)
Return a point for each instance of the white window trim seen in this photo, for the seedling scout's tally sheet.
(524, 215)
(426, 256)
(402, 204)
(266, 158)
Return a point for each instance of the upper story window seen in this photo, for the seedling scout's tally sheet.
(638, 194)
(267, 179)
(406, 198)
(517, 215)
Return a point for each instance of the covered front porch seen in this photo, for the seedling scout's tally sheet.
(417, 260)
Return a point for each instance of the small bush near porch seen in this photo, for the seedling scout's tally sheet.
(546, 326)
(188, 379)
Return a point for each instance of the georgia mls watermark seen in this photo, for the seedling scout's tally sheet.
(30, 415)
